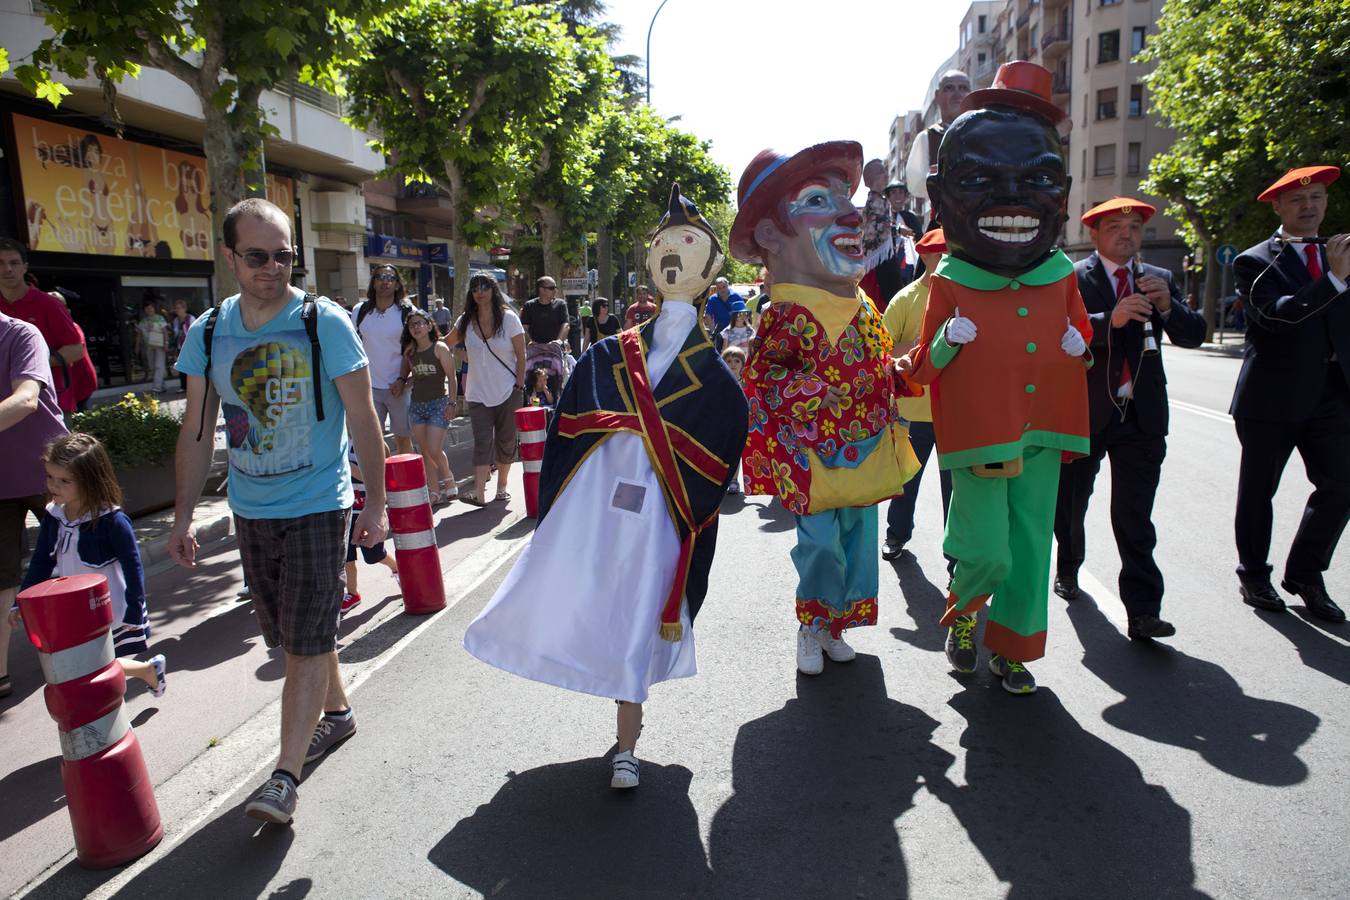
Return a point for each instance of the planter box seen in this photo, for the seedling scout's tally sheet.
(147, 488)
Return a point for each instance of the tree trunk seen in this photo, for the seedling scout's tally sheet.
(225, 172)
(1213, 275)
(604, 249)
(459, 299)
(550, 222)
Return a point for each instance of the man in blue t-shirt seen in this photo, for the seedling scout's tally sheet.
(720, 299)
(290, 485)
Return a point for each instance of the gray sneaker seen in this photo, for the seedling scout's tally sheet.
(274, 802)
(961, 652)
(331, 731)
(1016, 678)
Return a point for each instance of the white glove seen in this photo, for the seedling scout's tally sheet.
(960, 330)
(1072, 343)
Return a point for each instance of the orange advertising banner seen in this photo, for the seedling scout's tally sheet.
(91, 193)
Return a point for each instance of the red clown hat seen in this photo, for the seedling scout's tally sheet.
(1023, 85)
(771, 173)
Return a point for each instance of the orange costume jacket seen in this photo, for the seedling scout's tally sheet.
(1012, 387)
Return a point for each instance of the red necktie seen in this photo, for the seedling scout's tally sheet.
(1122, 291)
(1314, 260)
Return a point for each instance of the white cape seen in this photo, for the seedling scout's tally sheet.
(581, 608)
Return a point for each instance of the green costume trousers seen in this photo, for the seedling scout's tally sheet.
(999, 531)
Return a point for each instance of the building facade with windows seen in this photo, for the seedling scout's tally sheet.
(1091, 49)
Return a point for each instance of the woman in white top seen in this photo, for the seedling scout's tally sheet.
(495, 341)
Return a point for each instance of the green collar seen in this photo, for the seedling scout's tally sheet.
(1056, 267)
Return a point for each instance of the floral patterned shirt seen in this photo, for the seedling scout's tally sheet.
(809, 341)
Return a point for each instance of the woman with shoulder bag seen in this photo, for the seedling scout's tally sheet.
(495, 340)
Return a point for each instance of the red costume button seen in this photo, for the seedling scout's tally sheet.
(851, 454)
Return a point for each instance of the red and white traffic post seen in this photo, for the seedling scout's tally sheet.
(414, 532)
(532, 426)
(108, 790)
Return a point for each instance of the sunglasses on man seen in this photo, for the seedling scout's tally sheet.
(256, 259)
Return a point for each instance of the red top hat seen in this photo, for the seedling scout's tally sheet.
(1124, 205)
(1019, 84)
(1297, 178)
(770, 174)
(932, 242)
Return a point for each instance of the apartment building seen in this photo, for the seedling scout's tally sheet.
(1090, 47)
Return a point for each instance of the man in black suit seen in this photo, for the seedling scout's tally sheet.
(1131, 305)
(1294, 391)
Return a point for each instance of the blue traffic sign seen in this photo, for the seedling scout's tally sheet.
(1226, 254)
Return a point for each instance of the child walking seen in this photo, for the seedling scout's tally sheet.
(427, 361)
(372, 555)
(734, 357)
(738, 333)
(83, 532)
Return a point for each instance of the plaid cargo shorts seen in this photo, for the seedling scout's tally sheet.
(296, 574)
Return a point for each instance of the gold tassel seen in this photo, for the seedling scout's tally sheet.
(672, 631)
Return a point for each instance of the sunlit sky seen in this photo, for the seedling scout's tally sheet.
(750, 74)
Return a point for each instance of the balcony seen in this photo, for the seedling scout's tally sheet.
(1024, 18)
(417, 198)
(1059, 87)
(1057, 41)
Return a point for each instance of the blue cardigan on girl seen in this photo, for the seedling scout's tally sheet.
(107, 548)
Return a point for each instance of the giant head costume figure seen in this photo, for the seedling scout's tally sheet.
(685, 254)
(797, 217)
(1001, 188)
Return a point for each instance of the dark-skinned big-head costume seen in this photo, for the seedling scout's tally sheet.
(640, 450)
(1011, 404)
(829, 468)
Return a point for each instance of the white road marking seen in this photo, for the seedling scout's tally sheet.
(1110, 605)
(255, 739)
(1204, 411)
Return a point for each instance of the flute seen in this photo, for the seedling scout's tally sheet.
(1150, 342)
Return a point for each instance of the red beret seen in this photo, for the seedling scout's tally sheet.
(1122, 205)
(932, 242)
(1297, 178)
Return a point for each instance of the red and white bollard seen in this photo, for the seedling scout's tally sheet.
(414, 533)
(108, 790)
(532, 426)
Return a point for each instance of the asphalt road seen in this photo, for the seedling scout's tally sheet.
(1212, 764)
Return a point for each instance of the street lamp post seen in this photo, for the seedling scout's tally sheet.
(649, 49)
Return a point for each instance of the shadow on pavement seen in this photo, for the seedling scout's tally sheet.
(211, 641)
(818, 786)
(518, 530)
(1318, 650)
(470, 521)
(32, 793)
(1058, 812)
(379, 638)
(1194, 704)
(924, 604)
(559, 831)
(228, 857)
(775, 516)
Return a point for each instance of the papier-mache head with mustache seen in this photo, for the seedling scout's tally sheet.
(685, 254)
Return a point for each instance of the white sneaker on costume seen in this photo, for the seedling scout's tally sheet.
(810, 661)
(625, 771)
(836, 648)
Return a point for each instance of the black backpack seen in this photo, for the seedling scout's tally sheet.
(309, 314)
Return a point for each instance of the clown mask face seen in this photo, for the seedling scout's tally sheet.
(1001, 189)
(826, 249)
(682, 261)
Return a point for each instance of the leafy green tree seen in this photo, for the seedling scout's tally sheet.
(228, 53)
(459, 92)
(1251, 88)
